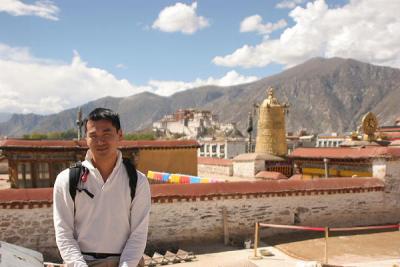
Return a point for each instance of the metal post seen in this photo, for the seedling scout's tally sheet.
(256, 241)
(225, 221)
(326, 167)
(79, 123)
(326, 244)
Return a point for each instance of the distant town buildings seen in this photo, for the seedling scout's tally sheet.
(330, 140)
(390, 133)
(300, 139)
(339, 161)
(216, 139)
(224, 149)
(195, 124)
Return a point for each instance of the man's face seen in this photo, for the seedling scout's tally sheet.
(102, 138)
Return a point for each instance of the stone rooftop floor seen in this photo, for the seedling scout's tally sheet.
(376, 249)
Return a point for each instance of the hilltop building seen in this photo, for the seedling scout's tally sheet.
(217, 140)
(195, 124)
(189, 122)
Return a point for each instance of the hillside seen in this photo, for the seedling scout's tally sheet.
(324, 95)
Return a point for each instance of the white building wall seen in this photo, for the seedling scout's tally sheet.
(379, 168)
(223, 149)
(234, 148)
(329, 142)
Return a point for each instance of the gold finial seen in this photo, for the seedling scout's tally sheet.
(369, 126)
(271, 138)
(270, 92)
(271, 100)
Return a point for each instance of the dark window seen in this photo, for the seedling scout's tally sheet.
(56, 167)
(202, 148)
(42, 174)
(24, 175)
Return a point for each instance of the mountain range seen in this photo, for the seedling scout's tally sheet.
(324, 95)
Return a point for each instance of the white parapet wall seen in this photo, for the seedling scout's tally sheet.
(201, 219)
(29, 226)
(194, 212)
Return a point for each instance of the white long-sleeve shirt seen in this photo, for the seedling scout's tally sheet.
(108, 223)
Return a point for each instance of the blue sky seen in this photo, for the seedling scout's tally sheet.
(60, 54)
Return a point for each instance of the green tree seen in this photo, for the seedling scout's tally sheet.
(67, 135)
(37, 136)
(140, 136)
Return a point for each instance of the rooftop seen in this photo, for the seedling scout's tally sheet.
(257, 156)
(182, 191)
(74, 144)
(364, 152)
(271, 175)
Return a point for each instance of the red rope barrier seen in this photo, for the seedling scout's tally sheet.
(319, 229)
(364, 228)
(337, 229)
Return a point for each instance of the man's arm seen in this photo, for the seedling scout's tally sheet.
(139, 223)
(63, 216)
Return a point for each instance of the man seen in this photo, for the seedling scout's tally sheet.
(102, 225)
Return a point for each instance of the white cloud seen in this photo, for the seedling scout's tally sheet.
(167, 88)
(120, 66)
(289, 3)
(363, 29)
(254, 24)
(30, 84)
(180, 18)
(42, 8)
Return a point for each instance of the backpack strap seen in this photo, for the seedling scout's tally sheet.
(132, 174)
(77, 170)
(75, 173)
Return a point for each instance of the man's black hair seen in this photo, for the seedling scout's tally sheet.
(103, 114)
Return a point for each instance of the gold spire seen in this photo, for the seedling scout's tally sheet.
(369, 126)
(271, 132)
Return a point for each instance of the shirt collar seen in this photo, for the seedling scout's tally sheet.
(89, 156)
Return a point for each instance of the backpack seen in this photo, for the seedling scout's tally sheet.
(77, 171)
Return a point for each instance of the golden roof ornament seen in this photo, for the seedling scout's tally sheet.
(271, 100)
(369, 126)
(271, 132)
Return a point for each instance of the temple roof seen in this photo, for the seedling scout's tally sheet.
(257, 156)
(74, 144)
(366, 152)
